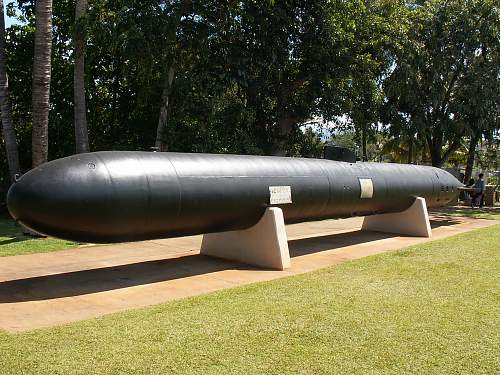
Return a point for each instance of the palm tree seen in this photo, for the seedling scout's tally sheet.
(8, 132)
(41, 80)
(81, 133)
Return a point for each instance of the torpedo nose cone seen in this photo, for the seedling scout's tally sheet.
(14, 201)
(57, 196)
(34, 199)
(24, 198)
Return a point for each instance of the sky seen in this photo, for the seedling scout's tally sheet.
(8, 20)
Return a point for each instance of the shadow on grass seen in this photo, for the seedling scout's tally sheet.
(148, 272)
(10, 232)
(12, 240)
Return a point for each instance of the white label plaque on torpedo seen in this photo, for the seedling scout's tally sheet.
(366, 185)
(280, 194)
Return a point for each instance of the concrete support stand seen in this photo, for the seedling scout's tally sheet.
(263, 245)
(412, 222)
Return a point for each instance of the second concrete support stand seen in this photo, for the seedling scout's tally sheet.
(412, 222)
(263, 245)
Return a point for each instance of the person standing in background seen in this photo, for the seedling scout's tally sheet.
(468, 194)
(480, 187)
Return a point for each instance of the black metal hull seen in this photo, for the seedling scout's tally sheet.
(119, 196)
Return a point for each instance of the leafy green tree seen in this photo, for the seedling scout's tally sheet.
(477, 103)
(380, 29)
(289, 60)
(364, 111)
(487, 156)
(436, 64)
(305, 143)
(245, 76)
(345, 139)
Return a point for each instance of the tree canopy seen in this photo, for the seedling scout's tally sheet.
(448, 73)
(244, 76)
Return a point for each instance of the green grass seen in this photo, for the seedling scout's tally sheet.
(13, 242)
(490, 213)
(427, 309)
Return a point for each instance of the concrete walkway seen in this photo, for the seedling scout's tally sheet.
(42, 290)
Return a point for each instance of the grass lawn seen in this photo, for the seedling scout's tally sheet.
(427, 309)
(13, 242)
(490, 213)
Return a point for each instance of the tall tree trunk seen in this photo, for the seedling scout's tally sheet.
(436, 159)
(285, 127)
(364, 152)
(434, 141)
(474, 139)
(160, 143)
(435, 151)
(81, 133)
(410, 149)
(41, 81)
(8, 132)
(168, 79)
(285, 119)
